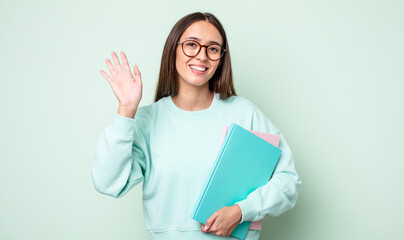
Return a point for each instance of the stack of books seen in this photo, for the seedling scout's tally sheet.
(245, 162)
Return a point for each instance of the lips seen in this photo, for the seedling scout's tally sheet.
(200, 68)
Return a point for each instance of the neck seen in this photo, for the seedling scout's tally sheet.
(193, 99)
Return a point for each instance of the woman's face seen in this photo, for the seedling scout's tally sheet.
(205, 33)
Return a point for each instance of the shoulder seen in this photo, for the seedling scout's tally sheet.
(241, 103)
(259, 120)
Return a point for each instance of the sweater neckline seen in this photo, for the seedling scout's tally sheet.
(193, 114)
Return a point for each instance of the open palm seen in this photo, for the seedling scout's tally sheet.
(127, 88)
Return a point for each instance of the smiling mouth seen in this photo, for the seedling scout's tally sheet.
(199, 69)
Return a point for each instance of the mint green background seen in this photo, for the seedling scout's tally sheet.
(329, 74)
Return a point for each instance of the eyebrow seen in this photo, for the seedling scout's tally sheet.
(198, 39)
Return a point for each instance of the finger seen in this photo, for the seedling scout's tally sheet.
(138, 75)
(210, 221)
(125, 62)
(109, 79)
(204, 228)
(117, 64)
(110, 67)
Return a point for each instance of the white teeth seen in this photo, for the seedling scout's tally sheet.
(198, 68)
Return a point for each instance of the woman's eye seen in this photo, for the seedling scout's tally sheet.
(213, 49)
(191, 44)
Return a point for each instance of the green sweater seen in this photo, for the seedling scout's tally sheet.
(172, 151)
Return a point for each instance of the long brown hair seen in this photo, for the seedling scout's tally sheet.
(222, 80)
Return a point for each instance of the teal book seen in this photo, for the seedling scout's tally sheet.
(244, 163)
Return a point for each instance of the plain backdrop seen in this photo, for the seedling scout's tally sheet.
(329, 74)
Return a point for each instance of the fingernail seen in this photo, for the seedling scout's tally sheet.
(206, 228)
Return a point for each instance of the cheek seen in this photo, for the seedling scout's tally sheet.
(177, 58)
(179, 65)
(215, 66)
(181, 60)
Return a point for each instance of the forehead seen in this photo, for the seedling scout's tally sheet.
(202, 31)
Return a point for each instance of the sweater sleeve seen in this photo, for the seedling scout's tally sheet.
(280, 193)
(119, 159)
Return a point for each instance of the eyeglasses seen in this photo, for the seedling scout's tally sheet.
(192, 48)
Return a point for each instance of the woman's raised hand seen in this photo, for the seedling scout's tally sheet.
(127, 88)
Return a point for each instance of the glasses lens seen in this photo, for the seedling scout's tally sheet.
(191, 48)
(214, 52)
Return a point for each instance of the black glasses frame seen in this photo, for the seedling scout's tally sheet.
(200, 47)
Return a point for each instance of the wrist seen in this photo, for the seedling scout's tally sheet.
(238, 212)
(127, 110)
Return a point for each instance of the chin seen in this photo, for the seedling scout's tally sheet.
(198, 83)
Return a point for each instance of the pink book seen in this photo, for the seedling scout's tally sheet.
(272, 139)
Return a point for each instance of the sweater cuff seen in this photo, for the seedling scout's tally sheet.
(123, 126)
(249, 209)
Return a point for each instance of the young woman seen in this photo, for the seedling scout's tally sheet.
(171, 144)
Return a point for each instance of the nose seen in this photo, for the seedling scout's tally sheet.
(202, 55)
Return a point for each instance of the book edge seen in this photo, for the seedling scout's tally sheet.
(211, 173)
